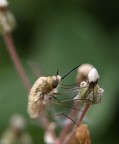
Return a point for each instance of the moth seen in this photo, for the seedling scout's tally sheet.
(42, 93)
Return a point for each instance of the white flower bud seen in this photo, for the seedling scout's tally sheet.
(93, 75)
(3, 3)
(83, 71)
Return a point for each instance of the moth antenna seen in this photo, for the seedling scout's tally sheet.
(71, 84)
(69, 72)
(57, 72)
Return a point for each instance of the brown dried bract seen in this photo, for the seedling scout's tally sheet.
(82, 135)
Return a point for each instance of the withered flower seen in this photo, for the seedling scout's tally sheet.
(82, 135)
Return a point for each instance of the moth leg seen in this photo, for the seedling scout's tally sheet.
(56, 98)
(60, 103)
(64, 116)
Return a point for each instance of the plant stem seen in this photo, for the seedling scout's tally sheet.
(85, 108)
(72, 114)
(12, 51)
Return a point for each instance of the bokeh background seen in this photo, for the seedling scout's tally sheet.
(62, 34)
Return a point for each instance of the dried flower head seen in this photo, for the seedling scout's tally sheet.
(82, 135)
(89, 92)
(91, 95)
(7, 20)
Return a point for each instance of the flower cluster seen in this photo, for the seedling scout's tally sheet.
(89, 92)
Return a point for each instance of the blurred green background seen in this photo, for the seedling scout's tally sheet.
(63, 34)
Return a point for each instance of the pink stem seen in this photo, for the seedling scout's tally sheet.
(85, 109)
(69, 124)
(11, 49)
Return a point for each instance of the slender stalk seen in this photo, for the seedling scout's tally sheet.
(12, 51)
(85, 109)
(65, 130)
(18, 65)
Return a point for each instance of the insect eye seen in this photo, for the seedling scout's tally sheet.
(54, 83)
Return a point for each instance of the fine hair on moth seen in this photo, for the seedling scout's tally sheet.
(42, 93)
